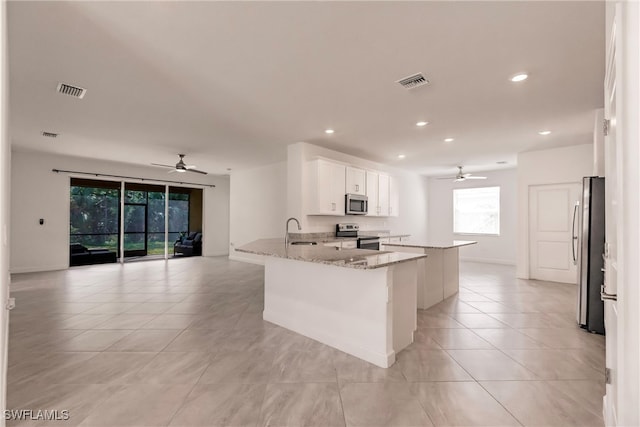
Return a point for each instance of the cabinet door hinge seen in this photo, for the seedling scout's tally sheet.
(605, 126)
(607, 375)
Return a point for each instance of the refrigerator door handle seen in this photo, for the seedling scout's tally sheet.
(604, 296)
(574, 236)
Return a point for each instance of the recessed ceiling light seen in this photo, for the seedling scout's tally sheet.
(448, 140)
(422, 123)
(502, 162)
(519, 77)
(544, 132)
(401, 156)
(329, 131)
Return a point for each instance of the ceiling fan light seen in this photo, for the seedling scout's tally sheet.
(181, 170)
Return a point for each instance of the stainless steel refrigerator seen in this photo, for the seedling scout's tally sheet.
(588, 248)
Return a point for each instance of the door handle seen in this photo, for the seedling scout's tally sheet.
(604, 296)
(574, 240)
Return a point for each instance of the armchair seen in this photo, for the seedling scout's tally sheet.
(190, 245)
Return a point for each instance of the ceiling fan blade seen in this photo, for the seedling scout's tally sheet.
(164, 166)
(197, 171)
(476, 177)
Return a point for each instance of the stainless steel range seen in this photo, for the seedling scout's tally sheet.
(353, 230)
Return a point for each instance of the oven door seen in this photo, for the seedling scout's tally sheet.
(356, 204)
(372, 243)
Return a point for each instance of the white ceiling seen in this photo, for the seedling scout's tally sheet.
(231, 84)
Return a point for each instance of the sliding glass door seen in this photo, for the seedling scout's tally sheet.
(96, 221)
(95, 214)
(135, 230)
(144, 219)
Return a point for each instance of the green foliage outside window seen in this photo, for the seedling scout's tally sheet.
(95, 218)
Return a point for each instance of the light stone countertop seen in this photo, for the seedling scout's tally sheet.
(350, 258)
(381, 234)
(433, 245)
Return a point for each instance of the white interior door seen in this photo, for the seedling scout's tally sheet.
(551, 244)
(613, 171)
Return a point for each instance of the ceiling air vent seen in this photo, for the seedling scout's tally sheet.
(75, 91)
(50, 134)
(413, 81)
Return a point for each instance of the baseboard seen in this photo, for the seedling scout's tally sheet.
(257, 261)
(39, 269)
(488, 260)
(217, 253)
(378, 359)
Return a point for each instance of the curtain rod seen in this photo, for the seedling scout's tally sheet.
(130, 177)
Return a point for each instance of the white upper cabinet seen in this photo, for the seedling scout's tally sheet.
(329, 181)
(383, 194)
(372, 193)
(394, 196)
(382, 191)
(327, 188)
(356, 181)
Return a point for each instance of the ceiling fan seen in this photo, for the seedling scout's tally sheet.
(463, 176)
(181, 166)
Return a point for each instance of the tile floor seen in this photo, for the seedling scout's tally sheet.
(183, 343)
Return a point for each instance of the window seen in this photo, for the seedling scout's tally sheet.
(476, 210)
(95, 209)
(95, 213)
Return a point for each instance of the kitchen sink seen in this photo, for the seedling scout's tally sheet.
(304, 243)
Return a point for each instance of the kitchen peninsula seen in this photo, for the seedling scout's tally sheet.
(360, 301)
(438, 275)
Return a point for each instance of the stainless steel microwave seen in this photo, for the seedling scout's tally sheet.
(356, 204)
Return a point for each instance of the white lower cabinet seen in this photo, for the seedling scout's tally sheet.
(350, 244)
(342, 244)
(336, 244)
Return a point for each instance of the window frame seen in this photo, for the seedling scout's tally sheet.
(465, 233)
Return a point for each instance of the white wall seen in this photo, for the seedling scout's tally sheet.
(37, 192)
(413, 191)
(627, 365)
(258, 206)
(5, 177)
(495, 249)
(555, 166)
(598, 143)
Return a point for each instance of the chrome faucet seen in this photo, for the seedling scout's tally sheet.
(286, 230)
